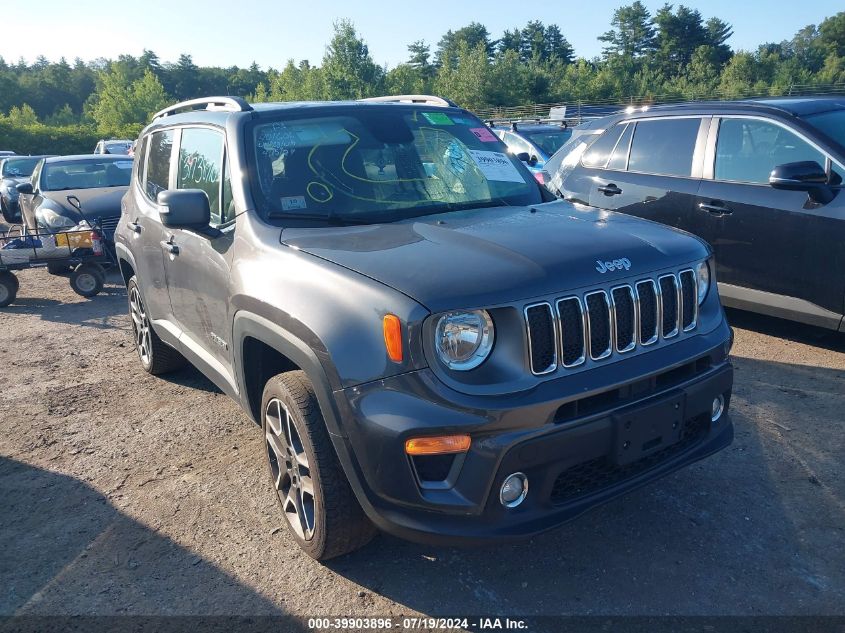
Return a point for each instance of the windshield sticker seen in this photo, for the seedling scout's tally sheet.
(437, 118)
(484, 135)
(124, 164)
(460, 120)
(496, 166)
(294, 203)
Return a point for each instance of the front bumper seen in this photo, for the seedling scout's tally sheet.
(564, 436)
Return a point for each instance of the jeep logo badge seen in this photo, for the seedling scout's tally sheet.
(616, 264)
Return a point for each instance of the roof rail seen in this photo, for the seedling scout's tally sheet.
(422, 99)
(227, 104)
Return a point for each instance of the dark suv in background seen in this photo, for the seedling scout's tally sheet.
(760, 180)
(432, 344)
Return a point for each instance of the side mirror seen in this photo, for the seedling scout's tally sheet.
(524, 157)
(533, 160)
(184, 208)
(25, 188)
(806, 176)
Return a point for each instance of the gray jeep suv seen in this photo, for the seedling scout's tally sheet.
(432, 345)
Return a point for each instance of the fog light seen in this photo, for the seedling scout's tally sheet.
(513, 490)
(718, 408)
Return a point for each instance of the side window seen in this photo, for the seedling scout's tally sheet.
(619, 158)
(600, 151)
(747, 150)
(518, 145)
(141, 161)
(158, 165)
(664, 146)
(201, 166)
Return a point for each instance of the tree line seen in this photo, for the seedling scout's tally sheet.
(675, 53)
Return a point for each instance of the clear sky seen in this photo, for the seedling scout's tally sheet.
(228, 32)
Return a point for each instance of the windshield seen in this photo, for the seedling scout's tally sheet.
(831, 124)
(374, 164)
(549, 141)
(117, 147)
(19, 167)
(85, 175)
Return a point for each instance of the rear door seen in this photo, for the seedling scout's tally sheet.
(767, 239)
(653, 170)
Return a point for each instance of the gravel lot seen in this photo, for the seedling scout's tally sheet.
(121, 493)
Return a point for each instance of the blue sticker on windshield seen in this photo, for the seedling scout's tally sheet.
(124, 164)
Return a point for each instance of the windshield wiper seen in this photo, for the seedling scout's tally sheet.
(328, 218)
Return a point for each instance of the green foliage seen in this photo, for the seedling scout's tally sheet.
(66, 106)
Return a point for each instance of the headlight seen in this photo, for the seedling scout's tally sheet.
(463, 340)
(53, 220)
(703, 278)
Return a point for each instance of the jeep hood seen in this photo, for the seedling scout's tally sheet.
(485, 257)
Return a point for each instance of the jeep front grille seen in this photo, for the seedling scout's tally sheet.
(599, 324)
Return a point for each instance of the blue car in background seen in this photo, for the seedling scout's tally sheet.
(538, 140)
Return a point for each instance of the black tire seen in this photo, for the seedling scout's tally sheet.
(339, 525)
(87, 280)
(8, 288)
(156, 356)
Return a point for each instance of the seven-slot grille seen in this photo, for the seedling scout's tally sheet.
(600, 323)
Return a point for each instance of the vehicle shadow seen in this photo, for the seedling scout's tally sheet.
(789, 330)
(68, 551)
(750, 530)
(98, 312)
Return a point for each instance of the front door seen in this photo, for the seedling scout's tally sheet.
(198, 262)
(766, 239)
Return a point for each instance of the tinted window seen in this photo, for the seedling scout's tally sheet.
(748, 150)
(517, 144)
(664, 146)
(158, 165)
(550, 141)
(830, 123)
(201, 165)
(619, 159)
(600, 151)
(19, 167)
(88, 174)
(141, 161)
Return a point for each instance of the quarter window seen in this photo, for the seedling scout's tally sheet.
(201, 165)
(600, 151)
(619, 159)
(664, 146)
(158, 165)
(748, 150)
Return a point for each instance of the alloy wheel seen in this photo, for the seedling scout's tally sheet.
(290, 469)
(140, 326)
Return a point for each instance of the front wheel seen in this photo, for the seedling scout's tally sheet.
(317, 502)
(156, 356)
(8, 288)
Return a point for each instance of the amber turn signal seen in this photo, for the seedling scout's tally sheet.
(440, 445)
(393, 337)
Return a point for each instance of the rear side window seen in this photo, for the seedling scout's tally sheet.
(748, 150)
(664, 146)
(600, 151)
(201, 165)
(141, 161)
(158, 165)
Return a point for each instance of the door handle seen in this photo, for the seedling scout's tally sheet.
(170, 247)
(610, 190)
(134, 227)
(714, 208)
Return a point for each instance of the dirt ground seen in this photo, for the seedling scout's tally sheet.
(121, 493)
